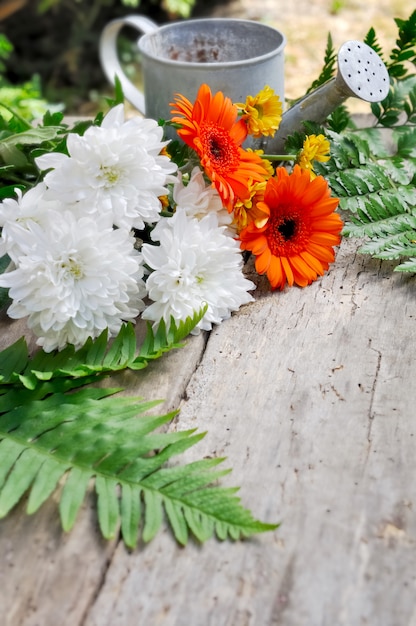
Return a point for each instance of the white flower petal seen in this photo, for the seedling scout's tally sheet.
(115, 168)
(198, 198)
(195, 264)
(73, 279)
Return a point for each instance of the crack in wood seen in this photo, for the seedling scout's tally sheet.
(371, 414)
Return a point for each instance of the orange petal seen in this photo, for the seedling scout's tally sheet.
(331, 223)
(287, 270)
(325, 239)
(322, 253)
(304, 274)
(317, 191)
(313, 262)
(263, 261)
(324, 207)
(299, 183)
(259, 245)
(239, 132)
(332, 219)
(275, 273)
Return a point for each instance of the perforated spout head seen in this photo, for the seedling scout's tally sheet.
(361, 74)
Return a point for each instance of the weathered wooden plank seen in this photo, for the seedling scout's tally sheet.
(48, 576)
(310, 395)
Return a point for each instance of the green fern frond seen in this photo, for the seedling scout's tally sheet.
(404, 53)
(392, 247)
(371, 40)
(329, 67)
(399, 102)
(390, 237)
(405, 50)
(50, 438)
(377, 191)
(88, 436)
(406, 142)
(339, 119)
(344, 154)
(165, 339)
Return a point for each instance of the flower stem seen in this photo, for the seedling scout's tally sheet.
(279, 157)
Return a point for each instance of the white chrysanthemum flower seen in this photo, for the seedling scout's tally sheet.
(197, 198)
(195, 264)
(73, 279)
(27, 208)
(115, 169)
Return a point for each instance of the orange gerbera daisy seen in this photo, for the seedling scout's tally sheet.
(211, 127)
(295, 245)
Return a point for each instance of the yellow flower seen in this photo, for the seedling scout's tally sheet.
(247, 211)
(164, 201)
(262, 113)
(315, 148)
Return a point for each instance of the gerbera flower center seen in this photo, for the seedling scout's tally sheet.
(287, 229)
(288, 232)
(219, 147)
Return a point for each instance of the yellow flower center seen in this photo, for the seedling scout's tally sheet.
(73, 268)
(110, 175)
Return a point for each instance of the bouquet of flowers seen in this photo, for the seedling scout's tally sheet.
(107, 221)
(120, 224)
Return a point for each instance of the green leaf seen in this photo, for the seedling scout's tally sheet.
(97, 358)
(108, 505)
(54, 429)
(329, 66)
(10, 452)
(73, 495)
(407, 266)
(45, 483)
(371, 40)
(18, 481)
(33, 136)
(175, 513)
(130, 514)
(377, 191)
(153, 514)
(13, 360)
(180, 8)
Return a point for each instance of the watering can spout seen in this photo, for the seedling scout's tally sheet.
(361, 74)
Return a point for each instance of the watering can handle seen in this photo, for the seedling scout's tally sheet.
(109, 58)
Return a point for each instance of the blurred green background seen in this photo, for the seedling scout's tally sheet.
(49, 48)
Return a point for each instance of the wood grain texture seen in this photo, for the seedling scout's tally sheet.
(310, 395)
